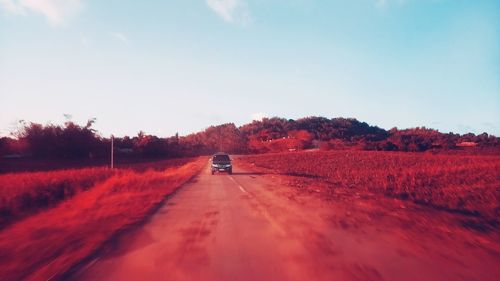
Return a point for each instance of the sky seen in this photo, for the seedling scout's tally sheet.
(182, 65)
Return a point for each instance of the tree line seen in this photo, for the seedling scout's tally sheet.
(74, 141)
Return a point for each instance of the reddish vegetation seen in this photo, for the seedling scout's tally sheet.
(295, 140)
(23, 194)
(76, 142)
(78, 226)
(465, 184)
(39, 165)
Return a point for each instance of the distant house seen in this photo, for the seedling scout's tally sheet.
(467, 144)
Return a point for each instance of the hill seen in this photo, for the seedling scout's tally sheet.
(81, 142)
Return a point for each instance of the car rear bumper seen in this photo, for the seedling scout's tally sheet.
(221, 169)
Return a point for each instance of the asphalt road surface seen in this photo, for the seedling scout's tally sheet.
(245, 227)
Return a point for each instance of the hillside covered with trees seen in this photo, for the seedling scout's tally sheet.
(73, 141)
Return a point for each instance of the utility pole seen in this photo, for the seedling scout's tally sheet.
(220, 139)
(112, 152)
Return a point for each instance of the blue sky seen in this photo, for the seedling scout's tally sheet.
(182, 65)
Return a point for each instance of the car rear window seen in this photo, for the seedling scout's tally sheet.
(221, 158)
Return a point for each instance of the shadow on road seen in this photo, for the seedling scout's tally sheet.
(248, 174)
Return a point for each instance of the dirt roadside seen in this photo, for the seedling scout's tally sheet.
(455, 240)
(258, 225)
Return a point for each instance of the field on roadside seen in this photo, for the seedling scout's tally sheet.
(22, 194)
(24, 165)
(76, 211)
(458, 183)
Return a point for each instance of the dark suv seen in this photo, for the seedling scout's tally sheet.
(221, 163)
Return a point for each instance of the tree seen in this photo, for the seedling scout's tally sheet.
(53, 141)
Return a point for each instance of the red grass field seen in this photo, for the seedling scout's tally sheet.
(458, 183)
(54, 220)
(26, 193)
(76, 211)
(22, 194)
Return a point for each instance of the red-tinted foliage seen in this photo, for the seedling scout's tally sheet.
(294, 140)
(467, 184)
(45, 245)
(23, 194)
(73, 141)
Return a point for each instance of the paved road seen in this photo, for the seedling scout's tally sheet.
(240, 227)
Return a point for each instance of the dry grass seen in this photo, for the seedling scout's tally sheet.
(459, 183)
(23, 194)
(47, 244)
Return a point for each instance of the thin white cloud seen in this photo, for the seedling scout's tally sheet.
(120, 37)
(56, 12)
(258, 116)
(11, 7)
(232, 11)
